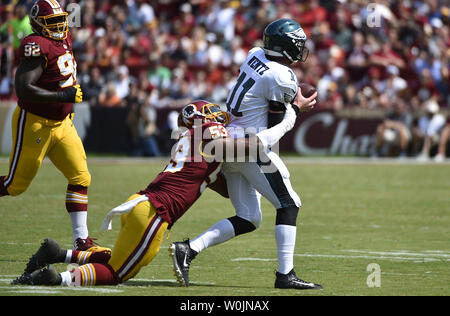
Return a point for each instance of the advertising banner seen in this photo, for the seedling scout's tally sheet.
(332, 133)
(320, 132)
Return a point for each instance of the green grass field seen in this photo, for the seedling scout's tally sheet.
(394, 215)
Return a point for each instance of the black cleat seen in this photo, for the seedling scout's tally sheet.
(49, 252)
(291, 281)
(45, 276)
(182, 255)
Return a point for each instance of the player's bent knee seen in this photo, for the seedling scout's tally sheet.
(287, 216)
(255, 219)
(241, 225)
(83, 179)
(15, 191)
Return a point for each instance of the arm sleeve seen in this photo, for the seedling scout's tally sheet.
(271, 136)
(276, 113)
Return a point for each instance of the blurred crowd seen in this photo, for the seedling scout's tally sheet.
(157, 54)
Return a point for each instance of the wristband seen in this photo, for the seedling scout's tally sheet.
(296, 109)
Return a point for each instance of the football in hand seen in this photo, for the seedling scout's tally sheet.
(307, 90)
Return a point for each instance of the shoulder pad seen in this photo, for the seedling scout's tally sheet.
(33, 46)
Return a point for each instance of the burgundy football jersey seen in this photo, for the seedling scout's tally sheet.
(60, 72)
(186, 176)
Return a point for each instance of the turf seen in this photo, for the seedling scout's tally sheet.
(394, 215)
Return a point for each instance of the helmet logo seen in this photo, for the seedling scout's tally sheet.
(34, 11)
(189, 111)
(298, 34)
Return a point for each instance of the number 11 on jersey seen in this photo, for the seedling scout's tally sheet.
(233, 105)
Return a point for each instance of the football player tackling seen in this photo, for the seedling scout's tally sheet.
(265, 87)
(145, 216)
(42, 125)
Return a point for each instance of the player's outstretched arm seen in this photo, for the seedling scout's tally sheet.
(233, 148)
(230, 149)
(271, 136)
(29, 72)
(220, 185)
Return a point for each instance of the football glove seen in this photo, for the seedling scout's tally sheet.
(71, 95)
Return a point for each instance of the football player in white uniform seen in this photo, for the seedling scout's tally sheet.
(258, 100)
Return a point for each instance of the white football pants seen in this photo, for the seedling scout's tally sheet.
(247, 181)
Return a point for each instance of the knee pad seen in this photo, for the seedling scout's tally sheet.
(287, 216)
(241, 226)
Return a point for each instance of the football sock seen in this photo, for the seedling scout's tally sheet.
(84, 257)
(76, 205)
(79, 226)
(241, 225)
(285, 238)
(66, 278)
(217, 234)
(92, 274)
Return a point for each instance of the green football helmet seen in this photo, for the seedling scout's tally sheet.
(285, 38)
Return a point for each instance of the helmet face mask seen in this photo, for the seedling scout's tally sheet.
(48, 19)
(286, 38)
(214, 113)
(303, 51)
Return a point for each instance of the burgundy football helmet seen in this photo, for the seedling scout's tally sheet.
(202, 111)
(48, 19)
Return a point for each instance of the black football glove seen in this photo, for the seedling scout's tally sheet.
(71, 95)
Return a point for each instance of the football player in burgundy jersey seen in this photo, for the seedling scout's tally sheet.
(46, 87)
(145, 216)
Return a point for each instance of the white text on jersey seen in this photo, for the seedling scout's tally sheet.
(257, 65)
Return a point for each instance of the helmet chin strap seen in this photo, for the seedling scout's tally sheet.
(288, 57)
(277, 54)
(272, 53)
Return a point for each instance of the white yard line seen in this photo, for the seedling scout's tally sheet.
(403, 255)
(426, 253)
(51, 290)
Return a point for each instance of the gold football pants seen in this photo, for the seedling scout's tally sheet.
(35, 137)
(139, 240)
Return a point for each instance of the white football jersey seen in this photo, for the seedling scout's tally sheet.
(260, 81)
